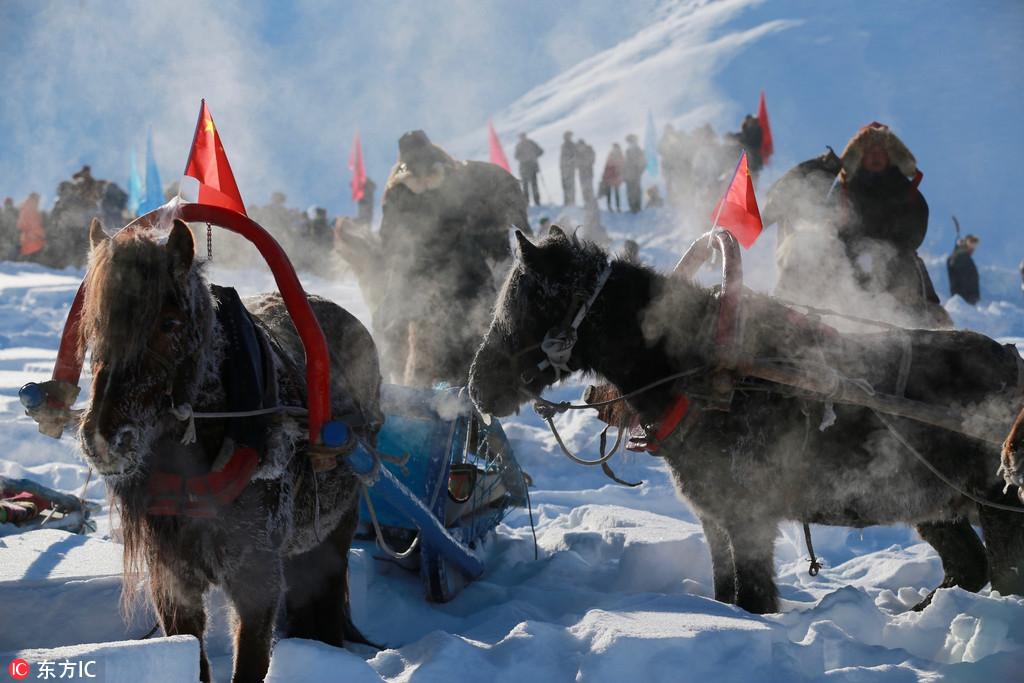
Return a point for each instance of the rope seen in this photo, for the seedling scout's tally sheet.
(815, 565)
(836, 314)
(542, 405)
(604, 457)
(381, 543)
(184, 413)
(945, 480)
(529, 509)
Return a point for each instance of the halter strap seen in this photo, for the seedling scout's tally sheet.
(558, 344)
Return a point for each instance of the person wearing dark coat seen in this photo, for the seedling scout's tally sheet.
(528, 154)
(567, 165)
(9, 237)
(963, 274)
(113, 204)
(365, 206)
(750, 140)
(585, 158)
(611, 178)
(633, 170)
(444, 244)
(867, 202)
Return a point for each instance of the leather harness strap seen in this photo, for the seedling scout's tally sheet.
(248, 376)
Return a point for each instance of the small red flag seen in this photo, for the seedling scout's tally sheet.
(355, 164)
(498, 157)
(208, 163)
(737, 210)
(767, 144)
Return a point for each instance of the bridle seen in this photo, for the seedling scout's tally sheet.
(560, 340)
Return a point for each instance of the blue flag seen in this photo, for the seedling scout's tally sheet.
(154, 188)
(134, 187)
(651, 146)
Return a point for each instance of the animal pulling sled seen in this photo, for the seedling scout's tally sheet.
(448, 477)
(898, 373)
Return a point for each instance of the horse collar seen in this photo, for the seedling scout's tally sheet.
(559, 342)
(247, 375)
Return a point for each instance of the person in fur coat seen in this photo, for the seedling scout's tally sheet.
(444, 243)
(850, 226)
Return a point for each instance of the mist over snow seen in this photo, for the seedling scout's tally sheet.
(622, 589)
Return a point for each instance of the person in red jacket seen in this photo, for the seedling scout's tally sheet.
(30, 224)
(611, 178)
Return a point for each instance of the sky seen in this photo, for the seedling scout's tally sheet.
(290, 83)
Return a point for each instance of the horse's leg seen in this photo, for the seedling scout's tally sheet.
(1004, 542)
(753, 554)
(254, 589)
(962, 554)
(317, 598)
(722, 567)
(179, 608)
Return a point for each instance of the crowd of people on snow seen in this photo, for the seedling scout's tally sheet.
(868, 195)
(576, 163)
(58, 238)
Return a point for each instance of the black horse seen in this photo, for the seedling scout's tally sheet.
(236, 505)
(772, 454)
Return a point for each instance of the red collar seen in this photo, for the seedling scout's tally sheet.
(640, 442)
(204, 495)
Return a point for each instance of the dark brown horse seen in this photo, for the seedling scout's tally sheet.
(254, 518)
(771, 454)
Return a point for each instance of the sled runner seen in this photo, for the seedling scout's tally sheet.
(41, 507)
(448, 444)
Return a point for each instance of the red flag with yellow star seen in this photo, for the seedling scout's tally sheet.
(208, 163)
(737, 210)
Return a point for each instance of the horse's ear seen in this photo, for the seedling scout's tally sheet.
(529, 253)
(556, 232)
(182, 247)
(97, 235)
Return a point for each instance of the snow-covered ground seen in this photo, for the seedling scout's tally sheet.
(621, 589)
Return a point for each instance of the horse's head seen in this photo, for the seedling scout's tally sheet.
(545, 287)
(146, 318)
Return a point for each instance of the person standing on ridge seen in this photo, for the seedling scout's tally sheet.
(567, 164)
(611, 178)
(636, 162)
(528, 154)
(364, 208)
(963, 273)
(585, 158)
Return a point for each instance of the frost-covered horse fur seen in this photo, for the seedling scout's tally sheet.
(149, 321)
(764, 460)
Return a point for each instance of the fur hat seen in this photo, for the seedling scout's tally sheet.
(880, 134)
(417, 151)
(422, 165)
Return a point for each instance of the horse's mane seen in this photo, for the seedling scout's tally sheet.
(128, 281)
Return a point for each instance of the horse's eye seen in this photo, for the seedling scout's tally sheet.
(168, 325)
